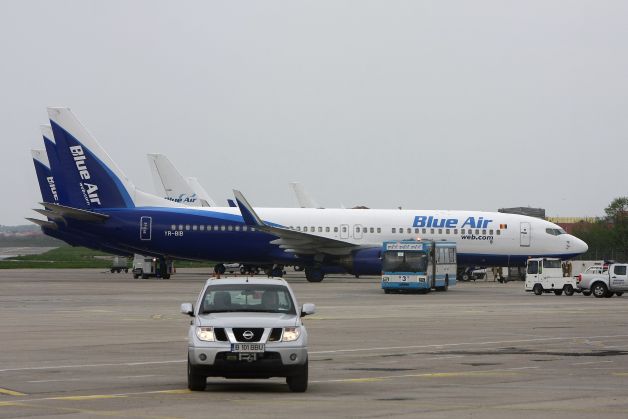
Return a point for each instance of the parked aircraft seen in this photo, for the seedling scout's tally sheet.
(103, 202)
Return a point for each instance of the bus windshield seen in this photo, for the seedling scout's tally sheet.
(404, 261)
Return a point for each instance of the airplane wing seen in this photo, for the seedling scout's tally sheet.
(290, 240)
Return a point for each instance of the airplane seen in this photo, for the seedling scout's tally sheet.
(104, 202)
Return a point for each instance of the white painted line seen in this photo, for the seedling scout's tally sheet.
(127, 364)
(591, 363)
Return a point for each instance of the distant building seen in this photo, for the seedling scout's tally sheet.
(569, 223)
(530, 212)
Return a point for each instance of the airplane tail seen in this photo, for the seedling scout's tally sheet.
(47, 185)
(91, 179)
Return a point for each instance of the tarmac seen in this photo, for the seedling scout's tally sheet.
(88, 343)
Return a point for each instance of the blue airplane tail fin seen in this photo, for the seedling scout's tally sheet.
(91, 178)
(46, 181)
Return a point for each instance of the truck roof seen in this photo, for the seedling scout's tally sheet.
(256, 280)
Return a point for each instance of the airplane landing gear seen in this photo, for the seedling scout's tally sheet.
(314, 275)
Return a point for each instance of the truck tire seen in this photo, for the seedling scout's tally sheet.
(112, 270)
(220, 269)
(568, 290)
(537, 289)
(558, 292)
(196, 381)
(599, 289)
(144, 276)
(609, 294)
(135, 276)
(465, 277)
(298, 383)
(619, 294)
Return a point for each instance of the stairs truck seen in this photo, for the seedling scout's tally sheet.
(545, 275)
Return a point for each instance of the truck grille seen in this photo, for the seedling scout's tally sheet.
(238, 332)
(220, 334)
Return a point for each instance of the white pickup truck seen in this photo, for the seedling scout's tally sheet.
(613, 281)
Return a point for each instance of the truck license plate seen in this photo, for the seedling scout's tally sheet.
(247, 347)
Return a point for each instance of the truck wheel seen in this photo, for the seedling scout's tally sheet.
(465, 277)
(609, 294)
(166, 276)
(298, 382)
(112, 270)
(135, 276)
(126, 271)
(599, 290)
(586, 293)
(558, 292)
(568, 290)
(196, 381)
(144, 276)
(220, 269)
(619, 294)
(537, 289)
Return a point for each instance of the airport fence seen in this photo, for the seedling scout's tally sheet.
(618, 255)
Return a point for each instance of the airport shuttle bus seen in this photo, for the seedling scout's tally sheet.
(411, 265)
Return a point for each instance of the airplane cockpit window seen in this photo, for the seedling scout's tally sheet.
(555, 231)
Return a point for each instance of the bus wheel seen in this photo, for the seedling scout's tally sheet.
(538, 289)
(386, 291)
(568, 290)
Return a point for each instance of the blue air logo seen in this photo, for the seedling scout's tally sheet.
(90, 191)
(53, 188)
(183, 198)
(433, 222)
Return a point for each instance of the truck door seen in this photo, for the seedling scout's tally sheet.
(524, 234)
(618, 278)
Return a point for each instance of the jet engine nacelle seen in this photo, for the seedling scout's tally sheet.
(362, 262)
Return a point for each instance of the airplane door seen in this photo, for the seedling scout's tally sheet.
(357, 231)
(344, 231)
(524, 235)
(146, 227)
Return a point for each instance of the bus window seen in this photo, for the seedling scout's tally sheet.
(394, 230)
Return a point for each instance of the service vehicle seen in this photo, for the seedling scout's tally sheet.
(609, 282)
(119, 264)
(148, 267)
(545, 275)
(247, 327)
(418, 265)
(589, 273)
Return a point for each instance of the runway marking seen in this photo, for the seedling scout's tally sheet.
(592, 362)
(442, 345)
(89, 397)
(485, 373)
(8, 392)
(621, 374)
(52, 367)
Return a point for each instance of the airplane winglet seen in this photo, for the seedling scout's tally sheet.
(75, 213)
(247, 211)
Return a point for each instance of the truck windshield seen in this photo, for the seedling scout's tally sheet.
(404, 261)
(247, 298)
(533, 267)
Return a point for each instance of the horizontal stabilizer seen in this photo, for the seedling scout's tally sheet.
(75, 213)
(42, 223)
(47, 213)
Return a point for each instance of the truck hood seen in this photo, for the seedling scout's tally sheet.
(248, 320)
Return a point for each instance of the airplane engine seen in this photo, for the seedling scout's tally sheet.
(362, 262)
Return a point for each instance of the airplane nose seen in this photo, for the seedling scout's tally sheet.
(579, 246)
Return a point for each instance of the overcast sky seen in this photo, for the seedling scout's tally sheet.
(420, 104)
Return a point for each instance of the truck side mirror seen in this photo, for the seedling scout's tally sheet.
(187, 308)
(308, 309)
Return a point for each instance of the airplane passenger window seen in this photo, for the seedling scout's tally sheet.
(320, 229)
(372, 230)
(313, 229)
(187, 226)
(477, 231)
(483, 231)
(462, 231)
(455, 231)
(327, 229)
(222, 228)
(344, 229)
(409, 231)
(237, 228)
(379, 229)
(335, 229)
(440, 231)
(416, 231)
(202, 227)
(394, 230)
(305, 229)
(194, 227)
(216, 228)
(180, 226)
(357, 229)
(498, 232)
(431, 231)
(245, 228)
(490, 232)
(401, 230)
(298, 228)
(230, 228)
(173, 227)
(425, 231)
(252, 228)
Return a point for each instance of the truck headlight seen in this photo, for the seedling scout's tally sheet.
(205, 334)
(290, 334)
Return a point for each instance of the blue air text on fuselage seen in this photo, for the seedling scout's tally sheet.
(433, 222)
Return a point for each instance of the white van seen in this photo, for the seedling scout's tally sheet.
(546, 275)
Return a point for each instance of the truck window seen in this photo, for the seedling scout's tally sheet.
(551, 263)
(619, 270)
(533, 267)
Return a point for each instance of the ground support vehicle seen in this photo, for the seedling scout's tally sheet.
(147, 267)
(119, 264)
(609, 282)
(545, 275)
(411, 265)
(247, 327)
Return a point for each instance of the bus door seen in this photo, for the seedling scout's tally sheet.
(344, 231)
(357, 231)
(524, 234)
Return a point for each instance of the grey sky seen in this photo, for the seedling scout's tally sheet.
(423, 104)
